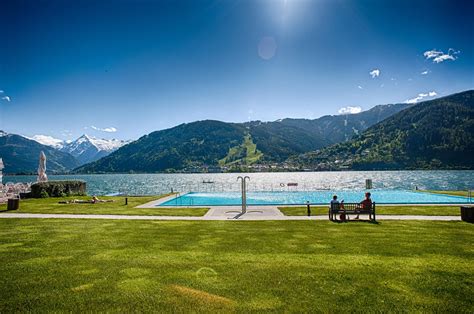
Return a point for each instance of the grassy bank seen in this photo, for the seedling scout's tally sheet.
(295, 266)
(455, 193)
(381, 210)
(118, 207)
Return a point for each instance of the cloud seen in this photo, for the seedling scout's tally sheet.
(110, 129)
(359, 87)
(432, 54)
(48, 140)
(374, 73)
(349, 110)
(424, 72)
(439, 56)
(7, 98)
(1, 91)
(420, 97)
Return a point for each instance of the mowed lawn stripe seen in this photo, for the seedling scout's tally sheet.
(78, 265)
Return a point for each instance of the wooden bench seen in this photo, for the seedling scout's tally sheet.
(351, 209)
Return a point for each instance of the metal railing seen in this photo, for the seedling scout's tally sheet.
(251, 187)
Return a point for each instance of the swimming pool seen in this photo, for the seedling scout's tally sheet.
(314, 197)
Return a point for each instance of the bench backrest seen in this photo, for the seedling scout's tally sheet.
(350, 206)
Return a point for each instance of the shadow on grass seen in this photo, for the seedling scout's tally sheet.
(372, 222)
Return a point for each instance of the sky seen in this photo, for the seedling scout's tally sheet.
(122, 69)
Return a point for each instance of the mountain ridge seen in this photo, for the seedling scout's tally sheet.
(207, 145)
(21, 155)
(434, 134)
(85, 148)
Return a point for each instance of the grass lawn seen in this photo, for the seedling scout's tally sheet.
(283, 266)
(455, 193)
(381, 210)
(52, 206)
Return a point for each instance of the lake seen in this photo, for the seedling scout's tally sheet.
(151, 184)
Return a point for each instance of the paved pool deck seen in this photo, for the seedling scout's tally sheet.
(223, 215)
(226, 213)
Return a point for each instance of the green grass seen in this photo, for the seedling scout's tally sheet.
(455, 193)
(246, 153)
(52, 206)
(381, 210)
(281, 266)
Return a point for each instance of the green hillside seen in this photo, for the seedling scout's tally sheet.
(436, 134)
(208, 143)
(245, 153)
(21, 155)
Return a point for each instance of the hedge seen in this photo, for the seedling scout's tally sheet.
(58, 189)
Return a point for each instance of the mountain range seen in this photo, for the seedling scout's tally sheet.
(20, 153)
(85, 148)
(435, 134)
(221, 146)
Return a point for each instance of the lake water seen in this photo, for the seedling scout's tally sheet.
(152, 184)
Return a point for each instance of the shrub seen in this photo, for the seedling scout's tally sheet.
(58, 189)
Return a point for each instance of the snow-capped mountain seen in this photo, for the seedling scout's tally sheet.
(20, 155)
(85, 149)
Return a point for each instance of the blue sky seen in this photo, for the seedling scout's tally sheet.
(122, 69)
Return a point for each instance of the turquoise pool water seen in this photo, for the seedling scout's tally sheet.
(314, 197)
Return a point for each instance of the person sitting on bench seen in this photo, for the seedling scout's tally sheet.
(366, 203)
(336, 205)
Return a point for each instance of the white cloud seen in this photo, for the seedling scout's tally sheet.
(349, 110)
(48, 140)
(444, 57)
(359, 87)
(420, 97)
(424, 72)
(7, 98)
(432, 54)
(439, 56)
(374, 73)
(1, 91)
(110, 129)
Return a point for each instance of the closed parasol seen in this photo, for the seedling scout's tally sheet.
(42, 177)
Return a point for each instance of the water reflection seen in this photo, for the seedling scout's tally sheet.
(150, 184)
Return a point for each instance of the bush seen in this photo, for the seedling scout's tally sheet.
(43, 194)
(58, 189)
